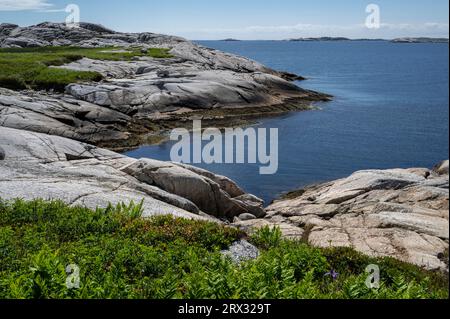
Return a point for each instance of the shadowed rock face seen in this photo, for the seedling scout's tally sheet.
(137, 96)
(43, 166)
(402, 213)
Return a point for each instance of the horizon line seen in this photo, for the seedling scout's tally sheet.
(230, 39)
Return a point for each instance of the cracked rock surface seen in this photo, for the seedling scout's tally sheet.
(401, 213)
(137, 95)
(51, 167)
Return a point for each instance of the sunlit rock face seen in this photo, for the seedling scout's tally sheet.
(37, 165)
(135, 95)
(401, 213)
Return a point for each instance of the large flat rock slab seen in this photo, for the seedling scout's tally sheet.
(400, 213)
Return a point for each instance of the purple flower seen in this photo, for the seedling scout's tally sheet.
(333, 274)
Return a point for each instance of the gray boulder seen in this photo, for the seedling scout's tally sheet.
(203, 191)
(53, 167)
(441, 168)
(247, 216)
(255, 206)
(400, 213)
(241, 251)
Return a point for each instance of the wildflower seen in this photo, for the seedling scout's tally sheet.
(333, 274)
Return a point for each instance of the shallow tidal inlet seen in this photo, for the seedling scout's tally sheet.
(390, 109)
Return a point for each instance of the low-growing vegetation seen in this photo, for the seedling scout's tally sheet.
(119, 254)
(31, 67)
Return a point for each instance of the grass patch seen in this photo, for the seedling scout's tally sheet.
(30, 67)
(159, 53)
(121, 255)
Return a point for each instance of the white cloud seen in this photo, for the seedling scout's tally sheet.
(335, 28)
(429, 26)
(22, 5)
(387, 30)
(278, 28)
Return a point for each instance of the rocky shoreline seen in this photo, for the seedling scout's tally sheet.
(52, 146)
(36, 165)
(143, 98)
(401, 213)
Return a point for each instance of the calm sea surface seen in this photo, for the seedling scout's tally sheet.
(390, 109)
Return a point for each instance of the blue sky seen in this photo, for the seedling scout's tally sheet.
(244, 19)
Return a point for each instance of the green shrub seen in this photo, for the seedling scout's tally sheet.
(122, 255)
(267, 237)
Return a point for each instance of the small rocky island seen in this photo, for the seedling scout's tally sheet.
(60, 145)
(420, 40)
(320, 39)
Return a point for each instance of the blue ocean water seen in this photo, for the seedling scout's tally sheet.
(390, 110)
